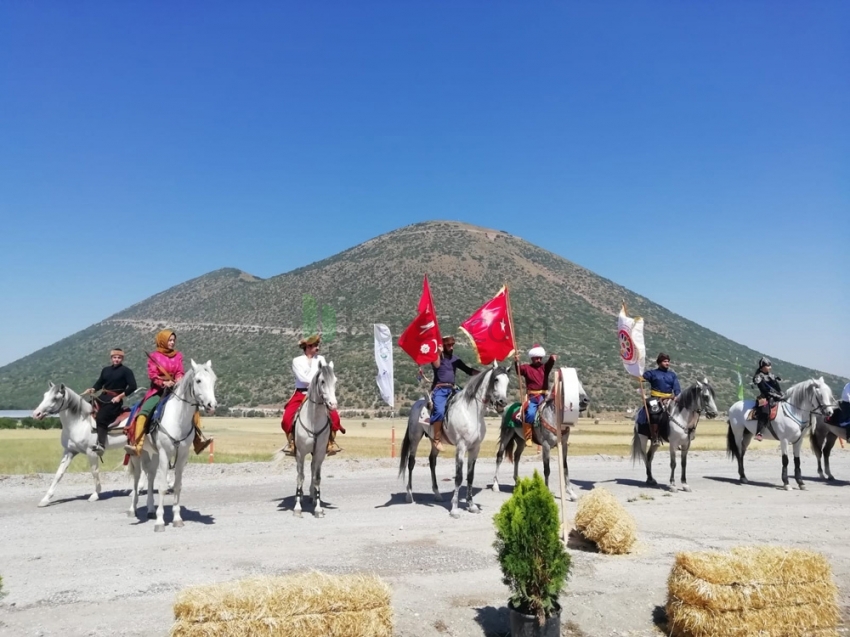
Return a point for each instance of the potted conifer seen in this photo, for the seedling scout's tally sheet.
(534, 563)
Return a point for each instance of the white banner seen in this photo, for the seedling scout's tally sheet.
(384, 361)
(632, 348)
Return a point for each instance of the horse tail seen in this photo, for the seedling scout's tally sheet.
(731, 445)
(412, 418)
(638, 452)
(509, 449)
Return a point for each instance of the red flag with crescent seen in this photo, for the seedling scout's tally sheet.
(422, 336)
(489, 329)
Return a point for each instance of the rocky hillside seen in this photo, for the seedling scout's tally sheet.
(249, 327)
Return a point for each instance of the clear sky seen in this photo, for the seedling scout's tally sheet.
(695, 152)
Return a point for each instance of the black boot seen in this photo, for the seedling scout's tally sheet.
(762, 423)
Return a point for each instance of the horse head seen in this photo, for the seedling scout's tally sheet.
(583, 398)
(497, 389)
(203, 385)
(706, 399)
(324, 383)
(825, 401)
(52, 403)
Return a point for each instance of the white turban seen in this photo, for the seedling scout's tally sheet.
(536, 352)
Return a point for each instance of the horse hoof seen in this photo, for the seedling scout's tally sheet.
(455, 514)
(473, 508)
(686, 488)
(409, 498)
(297, 514)
(177, 524)
(651, 483)
(44, 502)
(787, 487)
(151, 515)
(802, 486)
(494, 487)
(438, 497)
(744, 481)
(131, 514)
(159, 528)
(94, 497)
(318, 514)
(830, 479)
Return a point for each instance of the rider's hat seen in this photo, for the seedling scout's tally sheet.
(448, 340)
(662, 357)
(764, 361)
(315, 339)
(536, 352)
(116, 350)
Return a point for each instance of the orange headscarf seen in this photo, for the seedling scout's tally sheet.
(162, 343)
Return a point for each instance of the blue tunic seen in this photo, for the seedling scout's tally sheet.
(662, 381)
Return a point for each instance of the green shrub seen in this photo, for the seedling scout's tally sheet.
(47, 423)
(8, 423)
(534, 563)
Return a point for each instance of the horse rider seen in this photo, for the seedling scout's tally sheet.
(305, 367)
(115, 383)
(536, 376)
(770, 393)
(165, 369)
(664, 387)
(443, 385)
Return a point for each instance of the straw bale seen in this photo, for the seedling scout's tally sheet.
(306, 604)
(756, 590)
(603, 520)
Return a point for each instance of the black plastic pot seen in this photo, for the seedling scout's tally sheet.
(523, 625)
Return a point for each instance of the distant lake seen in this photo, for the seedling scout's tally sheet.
(15, 413)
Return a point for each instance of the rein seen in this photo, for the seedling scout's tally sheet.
(313, 433)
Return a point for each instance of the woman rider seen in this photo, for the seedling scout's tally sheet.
(165, 369)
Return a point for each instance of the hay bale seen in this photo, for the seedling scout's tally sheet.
(306, 605)
(604, 521)
(759, 590)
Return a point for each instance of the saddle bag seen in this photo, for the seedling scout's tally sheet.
(654, 406)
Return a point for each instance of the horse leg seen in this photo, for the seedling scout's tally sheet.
(299, 481)
(565, 445)
(316, 482)
(136, 469)
(470, 476)
(672, 466)
(685, 449)
(500, 454)
(177, 487)
(798, 474)
(459, 453)
(817, 446)
(150, 468)
(650, 454)
(159, 525)
(432, 463)
(411, 462)
(93, 458)
(784, 445)
(546, 453)
(520, 447)
(827, 449)
(63, 467)
(743, 445)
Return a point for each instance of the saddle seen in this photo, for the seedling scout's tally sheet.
(662, 420)
(114, 428)
(753, 414)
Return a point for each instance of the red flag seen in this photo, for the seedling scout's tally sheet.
(490, 329)
(422, 336)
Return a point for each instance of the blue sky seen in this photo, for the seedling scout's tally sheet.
(697, 153)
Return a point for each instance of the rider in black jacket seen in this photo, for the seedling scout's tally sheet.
(770, 393)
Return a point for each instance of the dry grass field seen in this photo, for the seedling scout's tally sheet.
(25, 451)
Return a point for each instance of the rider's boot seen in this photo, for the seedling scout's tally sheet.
(333, 448)
(438, 434)
(289, 449)
(762, 423)
(200, 443)
(138, 437)
(527, 432)
(653, 433)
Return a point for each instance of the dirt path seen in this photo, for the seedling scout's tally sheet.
(80, 568)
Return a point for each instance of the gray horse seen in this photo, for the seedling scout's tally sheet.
(512, 442)
(464, 428)
(312, 430)
(822, 441)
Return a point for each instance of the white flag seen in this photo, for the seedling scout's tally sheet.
(632, 348)
(384, 361)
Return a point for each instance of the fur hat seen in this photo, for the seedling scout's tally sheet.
(536, 352)
(662, 357)
(315, 339)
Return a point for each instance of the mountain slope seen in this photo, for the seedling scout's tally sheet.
(249, 327)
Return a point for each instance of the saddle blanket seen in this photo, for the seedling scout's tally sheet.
(115, 428)
(753, 413)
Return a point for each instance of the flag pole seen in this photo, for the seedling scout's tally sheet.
(516, 352)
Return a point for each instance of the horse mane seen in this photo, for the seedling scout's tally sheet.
(690, 398)
(76, 404)
(803, 390)
(474, 385)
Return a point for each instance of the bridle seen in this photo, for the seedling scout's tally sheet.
(697, 411)
(323, 401)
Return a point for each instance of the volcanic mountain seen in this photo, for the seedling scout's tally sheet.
(249, 326)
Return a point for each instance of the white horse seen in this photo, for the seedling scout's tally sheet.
(512, 441)
(463, 427)
(793, 417)
(78, 433)
(684, 412)
(170, 442)
(312, 429)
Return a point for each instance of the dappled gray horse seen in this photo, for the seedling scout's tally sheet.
(464, 428)
(822, 439)
(684, 413)
(512, 442)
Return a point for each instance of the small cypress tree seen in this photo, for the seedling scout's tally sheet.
(534, 563)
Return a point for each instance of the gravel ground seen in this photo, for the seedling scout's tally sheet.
(83, 568)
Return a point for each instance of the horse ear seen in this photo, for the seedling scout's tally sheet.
(62, 388)
(705, 380)
(208, 364)
(331, 364)
(50, 384)
(194, 364)
(821, 379)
